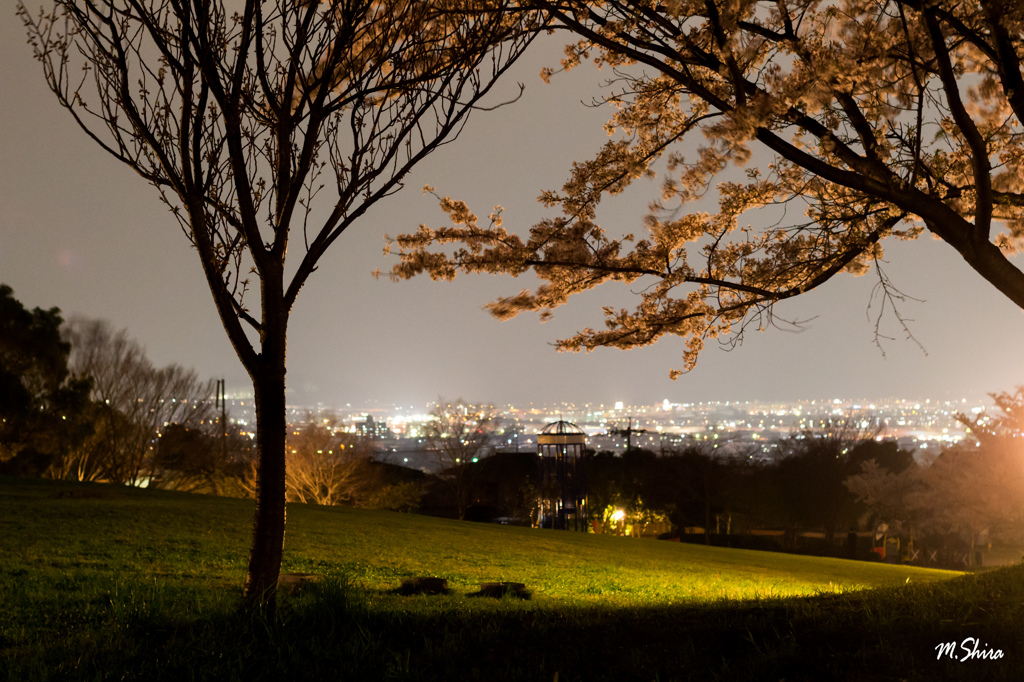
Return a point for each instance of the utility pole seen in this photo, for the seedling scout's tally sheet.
(221, 401)
(628, 433)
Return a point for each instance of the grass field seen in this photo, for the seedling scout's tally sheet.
(101, 582)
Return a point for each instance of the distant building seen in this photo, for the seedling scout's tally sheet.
(373, 429)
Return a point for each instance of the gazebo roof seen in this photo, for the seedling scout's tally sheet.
(561, 433)
(561, 427)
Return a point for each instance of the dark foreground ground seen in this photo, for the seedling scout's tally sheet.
(334, 634)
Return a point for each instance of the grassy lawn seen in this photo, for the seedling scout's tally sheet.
(101, 582)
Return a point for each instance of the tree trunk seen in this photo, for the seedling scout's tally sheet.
(269, 522)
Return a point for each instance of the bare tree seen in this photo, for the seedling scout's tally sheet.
(136, 400)
(243, 114)
(459, 434)
(325, 465)
(332, 467)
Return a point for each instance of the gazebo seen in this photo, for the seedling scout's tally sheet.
(563, 479)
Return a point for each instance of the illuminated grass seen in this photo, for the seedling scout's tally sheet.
(377, 549)
(111, 583)
(100, 530)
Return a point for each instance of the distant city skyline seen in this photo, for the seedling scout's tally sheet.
(730, 429)
(625, 408)
(80, 232)
(895, 413)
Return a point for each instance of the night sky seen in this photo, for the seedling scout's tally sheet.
(83, 233)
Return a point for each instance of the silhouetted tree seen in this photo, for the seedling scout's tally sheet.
(696, 478)
(608, 478)
(201, 459)
(243, 115)
(812, 471)
(190, 459)
(43, 406)
(505, 482)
